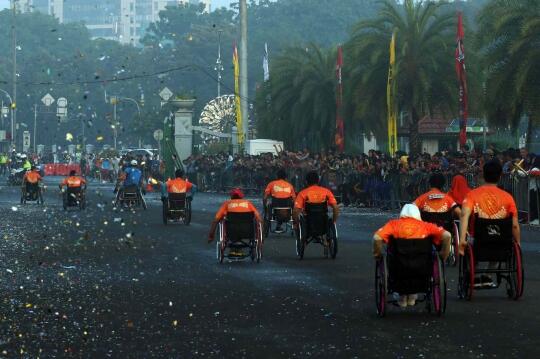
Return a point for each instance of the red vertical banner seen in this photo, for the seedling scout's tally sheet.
(340, 135)
(462, 79)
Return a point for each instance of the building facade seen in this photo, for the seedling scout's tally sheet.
(122, 20)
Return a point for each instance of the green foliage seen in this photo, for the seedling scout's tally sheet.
(510, 34)
(298, 106)
(424, 61)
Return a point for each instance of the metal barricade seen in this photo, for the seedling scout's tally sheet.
(534, 195)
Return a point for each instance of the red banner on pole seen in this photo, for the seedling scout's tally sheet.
(462, 78)
(340, 135)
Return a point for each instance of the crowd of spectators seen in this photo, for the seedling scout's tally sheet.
(371, 179)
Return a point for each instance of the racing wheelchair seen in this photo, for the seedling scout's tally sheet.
(74, 197)
(238, 231)
(33, 193)
(279, 210)
(446, 221)
(177, 207)
(493, 242)
(130, 197)
(410, 266)
(316, 227)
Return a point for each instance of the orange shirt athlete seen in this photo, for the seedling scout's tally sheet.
(73, 181)
(237, 204)
(411, 226)
(178, 185)
(32, 176)
(435, 200)
(314, 194)
(487, 201)
(279, 188)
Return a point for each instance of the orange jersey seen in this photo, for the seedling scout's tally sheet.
(279, 189)
(32, 177)
(73, 182)
(435, 201)
(410, 228)
(316, 195)
(237, 206)
(178, 185)
(489, 202)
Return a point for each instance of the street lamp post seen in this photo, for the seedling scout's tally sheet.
(14, 74)
(219, 65)
(115, 99)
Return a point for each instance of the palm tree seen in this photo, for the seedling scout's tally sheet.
(510, 33)
(299, 104)
(424, 60)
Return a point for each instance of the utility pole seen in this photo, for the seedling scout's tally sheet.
(35, 127)
(14, 73)
(244, 69)
(114, 122)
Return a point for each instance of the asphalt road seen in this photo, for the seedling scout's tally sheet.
(105, 283)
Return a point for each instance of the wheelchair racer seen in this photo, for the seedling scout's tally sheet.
(31, 180)
(283, 193)
(178, 184)
(314, 194)
(73, 181)
(410, 226)
(237, 204)
(488, 202)
(130, 177)
(435, 200)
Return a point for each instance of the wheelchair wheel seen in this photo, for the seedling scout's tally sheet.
(300, 244)
(266, 227)
(220, 252)
(438, 288)
(143, 202)
(187, 213)
(517, 274)
(220, 244)
(381, 286)
(466, 274)
(259, 243)
(253, 250)
(82, 202)
(332, 240)
(165, 213)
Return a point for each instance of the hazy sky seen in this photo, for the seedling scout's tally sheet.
(215, 3)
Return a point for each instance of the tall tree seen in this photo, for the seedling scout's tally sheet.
(299, 104)
(510, 33)
(424, 60)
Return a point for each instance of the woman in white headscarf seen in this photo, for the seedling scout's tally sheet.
(410, 226)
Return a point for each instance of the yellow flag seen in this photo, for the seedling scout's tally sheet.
(237, 96)
(390, 98)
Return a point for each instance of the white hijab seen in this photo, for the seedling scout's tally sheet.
(410, 211)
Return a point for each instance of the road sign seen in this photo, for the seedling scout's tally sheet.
(47, 100)
(61, 102)
(26, 141)
(158, 135)
(165, 94)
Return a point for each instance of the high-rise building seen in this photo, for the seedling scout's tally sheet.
(122, 20)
